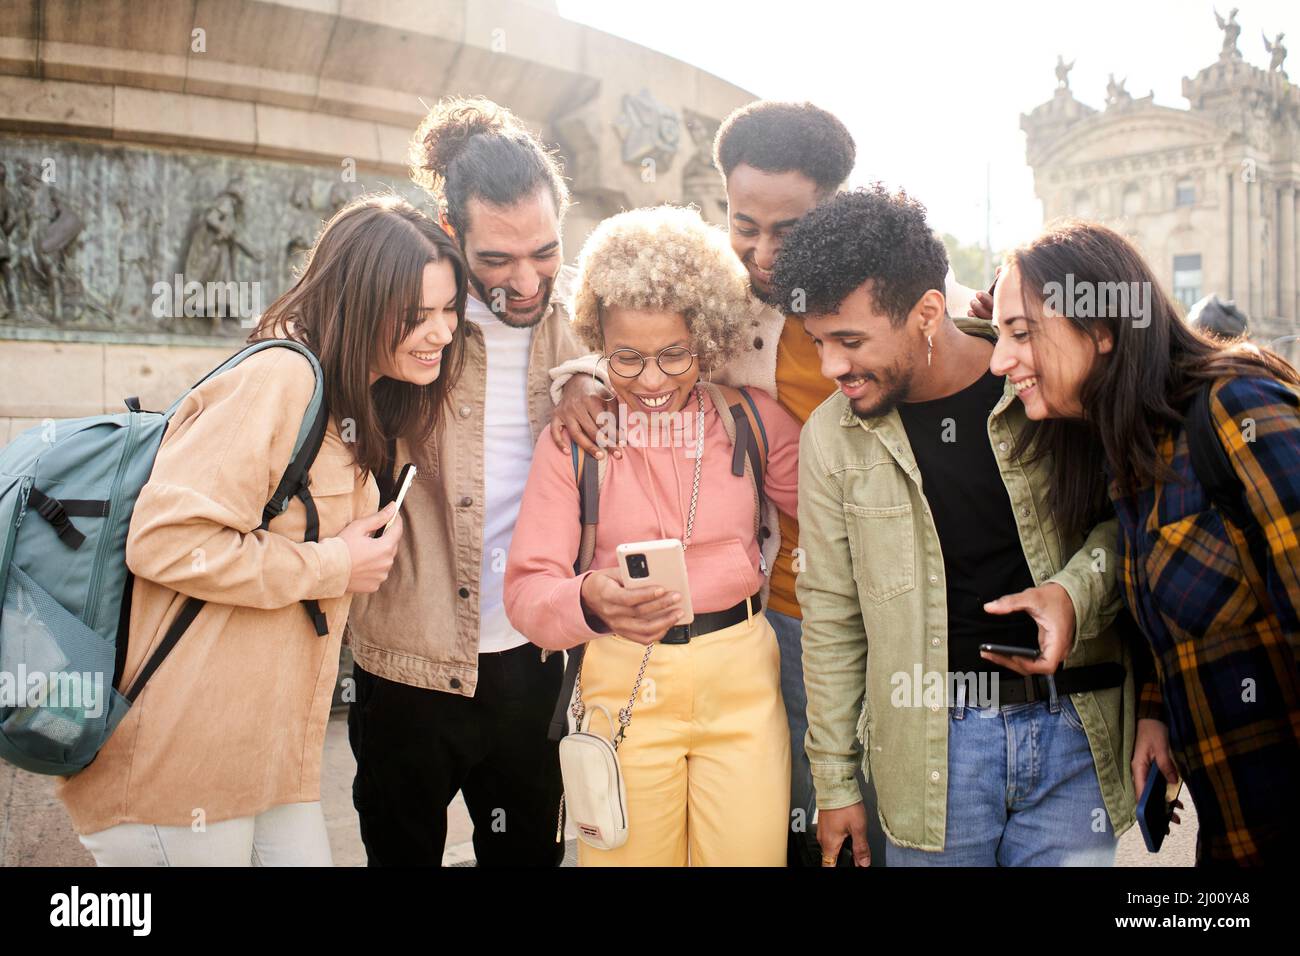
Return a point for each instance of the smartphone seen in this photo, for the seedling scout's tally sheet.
(657, 564)
(1156, 808)
(404, 479)
(1011, 650)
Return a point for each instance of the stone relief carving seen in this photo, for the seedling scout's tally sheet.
(701, 182)
(649, 130)
(129, 241)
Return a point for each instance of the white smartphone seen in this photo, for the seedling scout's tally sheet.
(404, 479)
(657, 564)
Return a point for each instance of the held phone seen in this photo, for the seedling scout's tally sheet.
(1020, 618)
(404, 480)
(1156, 807)
(657, 564)
(1010, 650)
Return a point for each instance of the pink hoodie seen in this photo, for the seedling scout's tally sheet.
(645, 496)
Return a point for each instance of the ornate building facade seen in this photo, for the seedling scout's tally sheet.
(1209, 193)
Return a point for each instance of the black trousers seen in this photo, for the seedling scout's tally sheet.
(416, 747)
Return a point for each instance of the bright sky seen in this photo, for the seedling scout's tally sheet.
(933, 91)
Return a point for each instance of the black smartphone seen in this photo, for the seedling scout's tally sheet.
(404, 479)
(1011, 650)
(1155, 808)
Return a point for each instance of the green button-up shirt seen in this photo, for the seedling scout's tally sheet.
(874, 578)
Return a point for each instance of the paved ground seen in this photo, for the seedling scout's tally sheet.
(35, 830)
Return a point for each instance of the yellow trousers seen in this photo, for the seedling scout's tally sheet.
(706, 760)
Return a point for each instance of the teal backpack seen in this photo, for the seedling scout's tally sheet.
(67, 491)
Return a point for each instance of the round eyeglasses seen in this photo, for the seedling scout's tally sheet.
(629, 363)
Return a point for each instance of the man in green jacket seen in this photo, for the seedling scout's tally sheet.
(928, 534)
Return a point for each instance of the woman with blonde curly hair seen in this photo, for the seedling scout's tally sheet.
(706, 761)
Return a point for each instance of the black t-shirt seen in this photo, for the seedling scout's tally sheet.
(972, 513)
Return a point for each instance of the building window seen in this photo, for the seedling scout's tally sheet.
(1186, 193)
(1187, 279)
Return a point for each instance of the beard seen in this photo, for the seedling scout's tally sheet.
(766, 297)
(895, 384)
(526, 321)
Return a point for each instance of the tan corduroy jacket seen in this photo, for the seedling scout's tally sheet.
(422, 627)
(233, 722)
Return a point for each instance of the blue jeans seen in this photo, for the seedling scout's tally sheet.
(1022, 791)
(803, 798)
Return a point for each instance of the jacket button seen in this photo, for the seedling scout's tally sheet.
(454, 683)
(463, 592)
(758, 343)
(466, 501)
(934, 579)
(934, 641)
(465, 410)
(934, 775)
(1002, 446)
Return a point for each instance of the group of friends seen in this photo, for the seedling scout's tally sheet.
(926, 470)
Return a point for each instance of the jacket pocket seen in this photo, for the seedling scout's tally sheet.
(883, 549)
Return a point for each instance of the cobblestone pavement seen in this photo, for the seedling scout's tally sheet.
(35, 830)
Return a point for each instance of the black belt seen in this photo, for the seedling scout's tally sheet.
(713, 621)
(1074, 680)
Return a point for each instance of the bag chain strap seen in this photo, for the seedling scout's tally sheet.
(625, 713)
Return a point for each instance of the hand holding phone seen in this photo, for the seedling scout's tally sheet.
(404, 480)
(641, 614)
(660, 564)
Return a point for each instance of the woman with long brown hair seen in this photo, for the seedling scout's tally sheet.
(218, 762)
(1118, 385)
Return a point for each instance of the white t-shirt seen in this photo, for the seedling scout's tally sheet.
(507, 455)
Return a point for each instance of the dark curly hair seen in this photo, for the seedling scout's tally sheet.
(868, 233)
(779, 137)
(470, 147)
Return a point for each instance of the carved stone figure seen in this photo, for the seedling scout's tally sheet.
(1063, 72)
(304, 223)
(51, 229)
(702, 184)
(214, 247)
(1231, 30)
(1116, 95)
(1276, 51)
(10, 214)
(649, 130)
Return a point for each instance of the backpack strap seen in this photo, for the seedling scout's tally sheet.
(749, 440)
(1227, 494)
(586, 475)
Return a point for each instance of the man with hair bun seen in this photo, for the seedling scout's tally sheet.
(449, 696)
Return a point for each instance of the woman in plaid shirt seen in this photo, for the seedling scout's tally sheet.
(1099, 355)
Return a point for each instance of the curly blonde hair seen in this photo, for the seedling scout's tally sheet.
(664, 258)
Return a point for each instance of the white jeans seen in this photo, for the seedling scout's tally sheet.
(289, 835)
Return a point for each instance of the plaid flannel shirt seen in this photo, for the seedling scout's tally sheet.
(1223, 631)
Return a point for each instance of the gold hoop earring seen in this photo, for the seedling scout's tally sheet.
(929, 351)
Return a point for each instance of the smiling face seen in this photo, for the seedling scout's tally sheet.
(514, 254)
(418, 358)
(1045, 355)
(872, 360)
(761, 207)
(649, 332)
